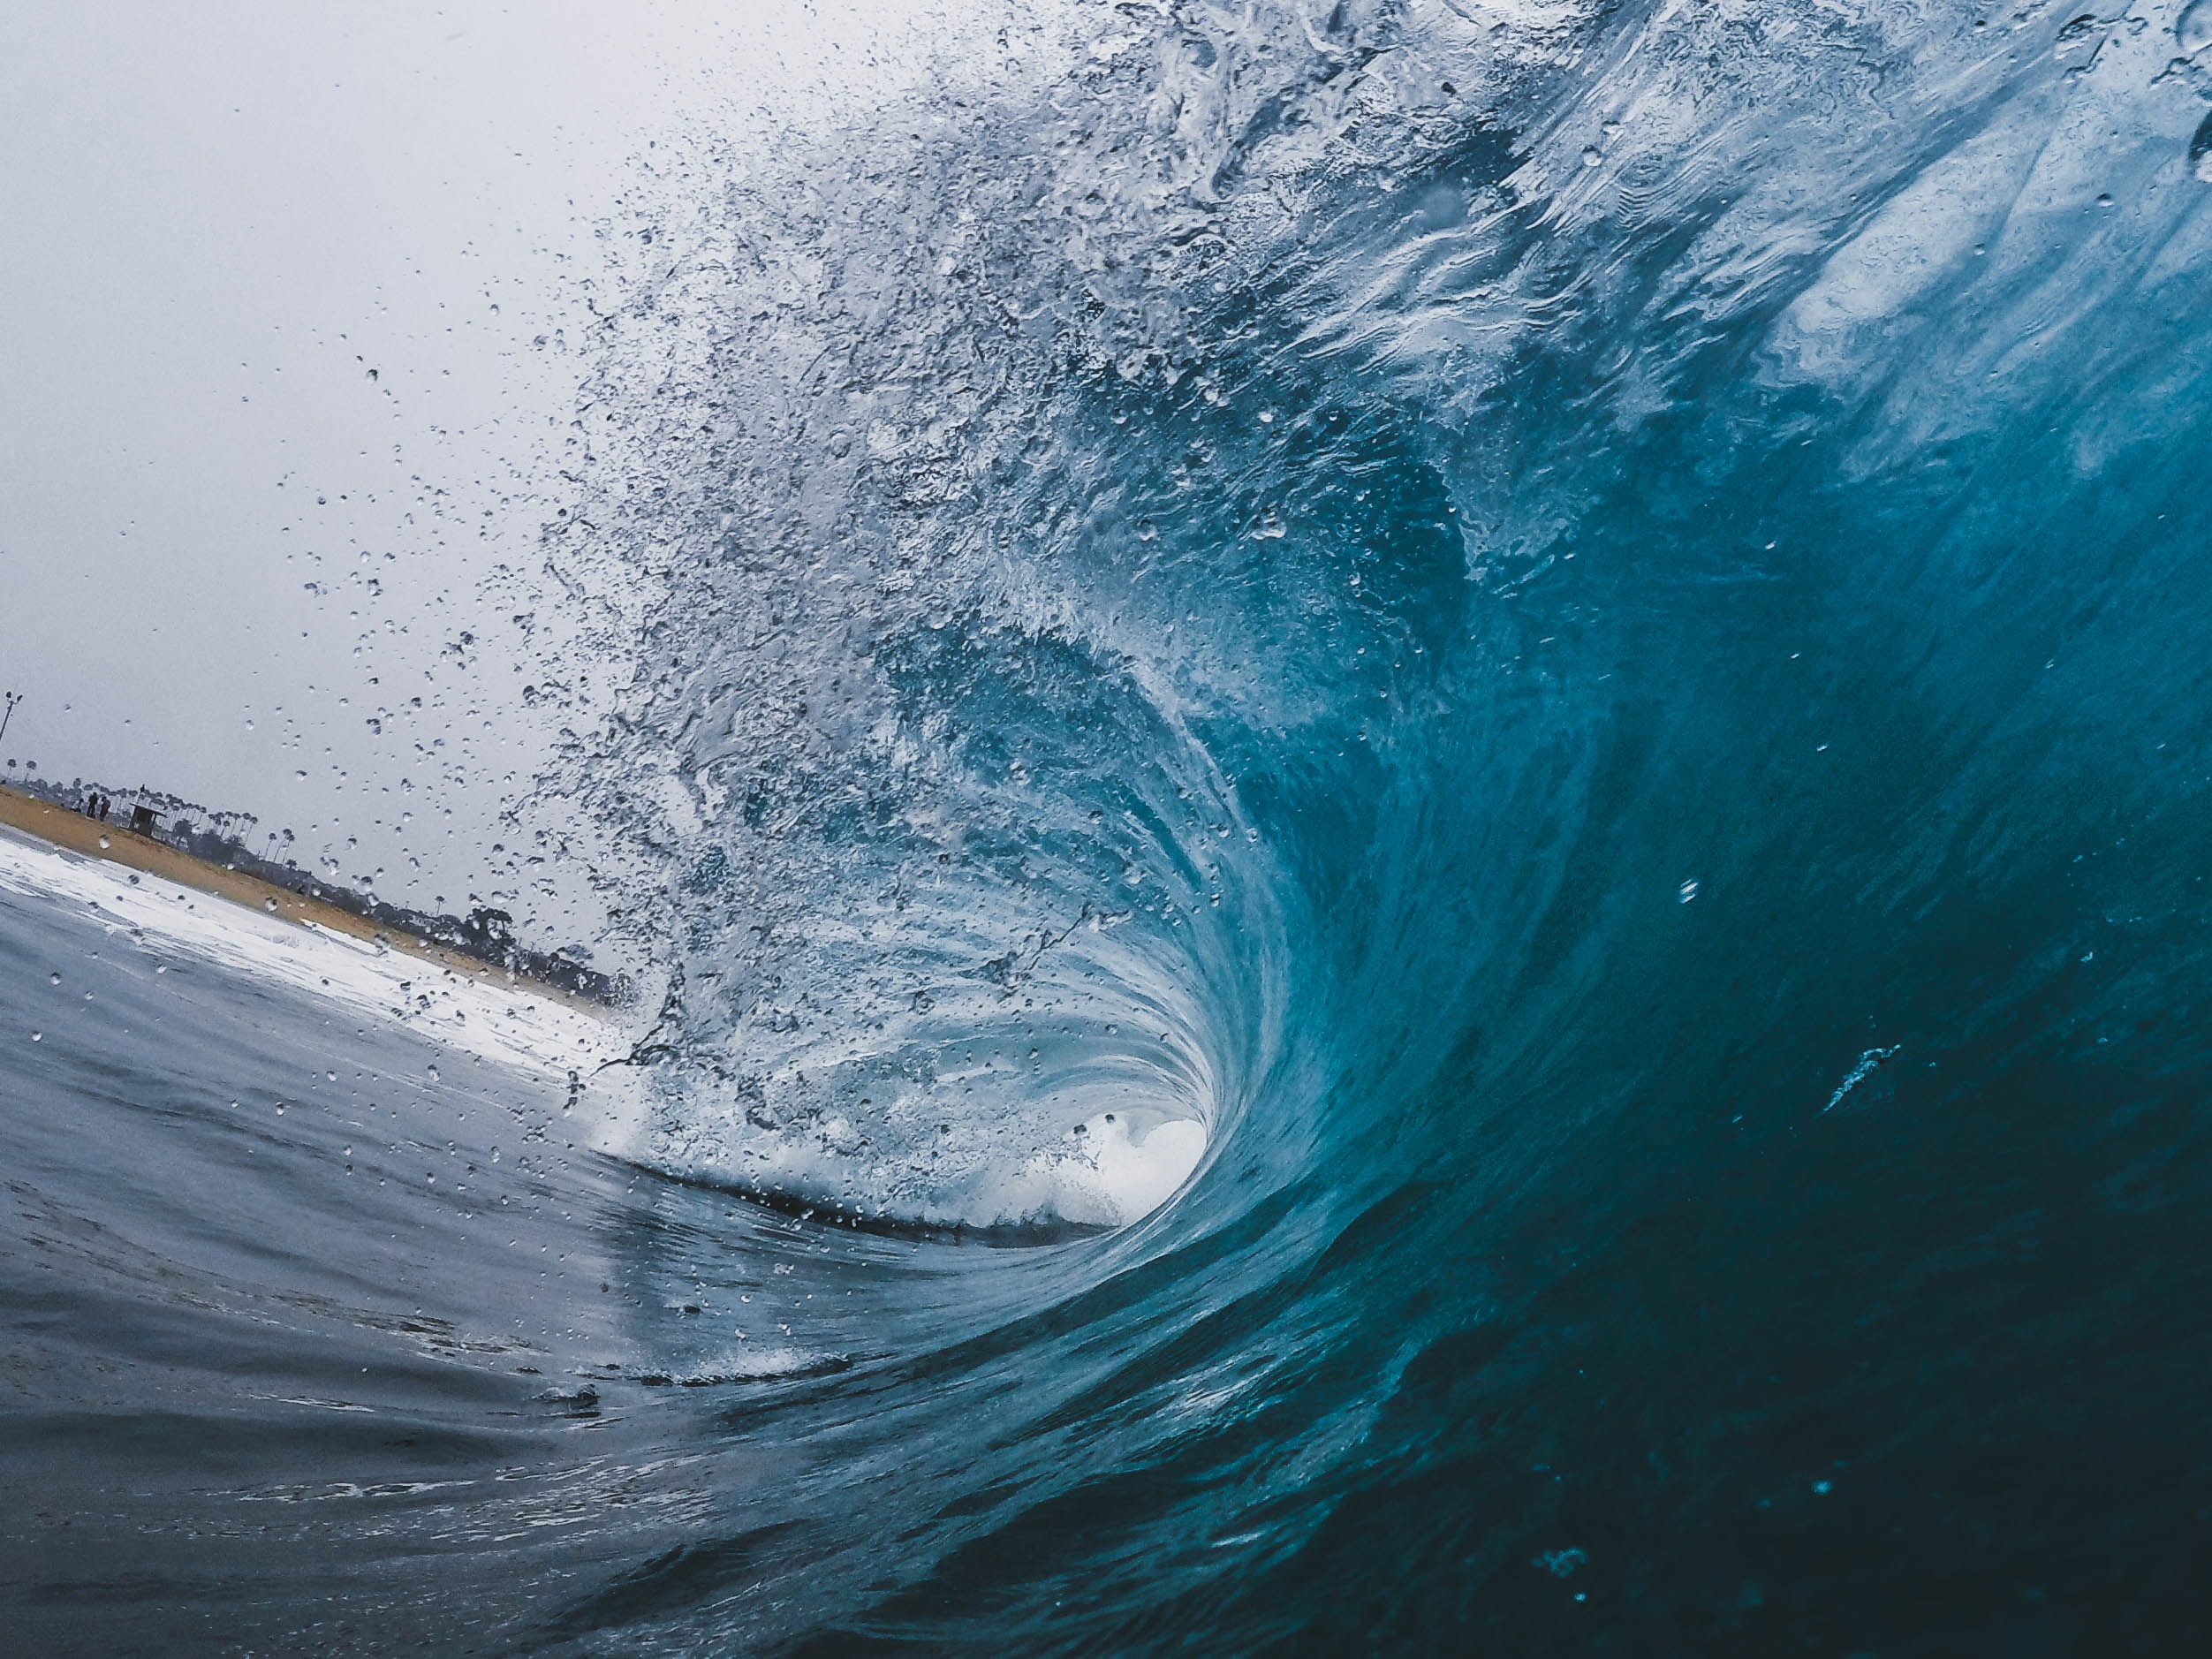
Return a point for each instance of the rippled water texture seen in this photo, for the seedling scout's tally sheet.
(1419, 795)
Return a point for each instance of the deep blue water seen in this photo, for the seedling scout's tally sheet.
(1600, 673)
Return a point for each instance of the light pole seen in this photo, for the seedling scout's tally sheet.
(13, 698)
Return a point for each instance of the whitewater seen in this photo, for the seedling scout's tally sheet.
(1409, 800)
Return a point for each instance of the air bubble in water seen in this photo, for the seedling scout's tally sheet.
(2075, 34)
(2200, 149)
(1591, 158)
(2193, 28)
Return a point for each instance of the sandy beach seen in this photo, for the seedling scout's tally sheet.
(59, 826)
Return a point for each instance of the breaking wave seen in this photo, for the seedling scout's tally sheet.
(1496, 712)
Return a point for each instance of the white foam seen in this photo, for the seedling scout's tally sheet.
(1118, 1176)
(1112, 1172)
(1126, 1176)
(508, 1024)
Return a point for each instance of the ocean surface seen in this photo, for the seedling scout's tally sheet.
(1415, 804)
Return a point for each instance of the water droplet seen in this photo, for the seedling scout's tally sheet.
(2193, 28)
(38, 1036)
(1146, 530)
(2200, 151)
(55, 977)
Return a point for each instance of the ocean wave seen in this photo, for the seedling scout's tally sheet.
(1331, 666)
(1050, 523)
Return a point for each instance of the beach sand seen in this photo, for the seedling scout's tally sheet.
(59, 826)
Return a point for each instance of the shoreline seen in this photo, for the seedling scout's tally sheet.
(73, 832)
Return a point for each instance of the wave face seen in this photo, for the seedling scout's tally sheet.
(1490, 723)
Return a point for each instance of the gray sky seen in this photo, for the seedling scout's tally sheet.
(219, 219)
(225, 549)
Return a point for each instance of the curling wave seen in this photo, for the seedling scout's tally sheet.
(1495, 711)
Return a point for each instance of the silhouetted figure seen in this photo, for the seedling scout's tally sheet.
(105, 802)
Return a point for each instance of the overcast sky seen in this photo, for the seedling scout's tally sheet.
(225, 545)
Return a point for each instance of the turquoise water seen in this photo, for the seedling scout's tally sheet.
(1565, 717)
